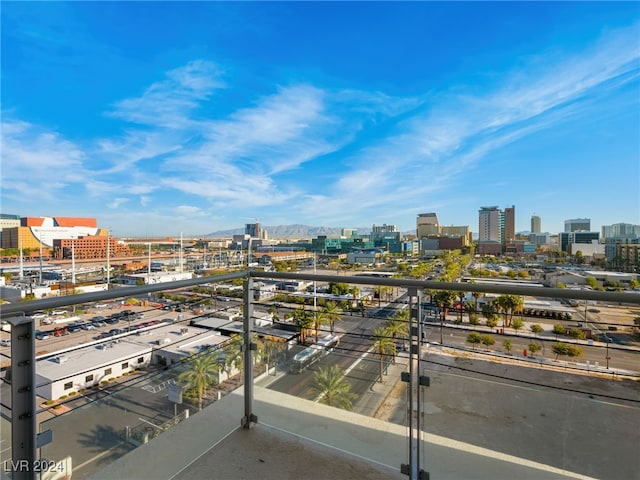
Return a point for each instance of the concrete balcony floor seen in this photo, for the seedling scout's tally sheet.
(297, 438)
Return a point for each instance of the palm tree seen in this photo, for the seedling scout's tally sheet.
(383, 344)
(476, 296)
(304, 321)
(202, 372)
(490, 314)
(509, 304)
(332, 314)
(398, 326)
(233, 357)
(333, 388)
(460, 305)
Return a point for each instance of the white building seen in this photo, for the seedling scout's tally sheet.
(489, 224)
(73, 369)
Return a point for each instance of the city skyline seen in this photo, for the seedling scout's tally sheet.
(210, 115)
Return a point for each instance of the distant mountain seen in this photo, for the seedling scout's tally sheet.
(290, 231)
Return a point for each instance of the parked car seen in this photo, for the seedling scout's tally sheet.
(112, 320)
(87, 326)
(40, 335)
(5, 342)
(74, 328)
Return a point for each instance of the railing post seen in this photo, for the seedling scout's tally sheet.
(23, 400)
(415, 380)
(248, 346)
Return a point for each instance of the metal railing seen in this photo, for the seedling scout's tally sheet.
(25, 440)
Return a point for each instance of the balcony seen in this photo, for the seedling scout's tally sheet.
(443, 406)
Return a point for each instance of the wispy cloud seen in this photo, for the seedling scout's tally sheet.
(169, 102)
(429, 150)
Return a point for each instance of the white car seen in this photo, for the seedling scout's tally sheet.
(5, 343)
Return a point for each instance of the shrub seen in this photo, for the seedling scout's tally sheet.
(49, 402)
(56, 407)
(63, 397)
(81, 390)
(71, 394)
(111, 379)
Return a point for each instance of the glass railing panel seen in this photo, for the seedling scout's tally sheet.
(558, 419)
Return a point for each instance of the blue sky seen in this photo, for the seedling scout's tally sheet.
(168, 118)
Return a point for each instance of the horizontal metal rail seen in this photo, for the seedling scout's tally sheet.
(24, 308)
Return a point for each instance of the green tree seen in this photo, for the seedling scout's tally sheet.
(509, 305)
(397, 326)
(201, 373)
(560, 349)
(233, 357)
(592, 282)
(337, 288)
(383, 344)
(490, 314)
(334, 390)
(303, 321)
(536, 328)
(563, 349)
(577, 334)
(534, 348)
(487, 340)
(558, 329)
(474, 338)
(332, 314)
(507, 345)
(517, 324)
(444, 300)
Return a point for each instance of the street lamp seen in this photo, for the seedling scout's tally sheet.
(607, 357)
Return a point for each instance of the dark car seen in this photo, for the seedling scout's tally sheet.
(115, 331)
(112, 320)
(74, 328)
(40, 335)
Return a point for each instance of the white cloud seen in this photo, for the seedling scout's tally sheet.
(168, 102)
(116, 202)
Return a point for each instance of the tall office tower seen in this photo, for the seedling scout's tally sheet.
(253, 229)
(621, 230)
(384, 228)
(490, 224)
(427, 224)
(509, 224)
(577, 225)
(536, 224)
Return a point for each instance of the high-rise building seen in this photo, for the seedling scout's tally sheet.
(509, 224)
(621, 231)
(577, 225)
(253, 230)
(427, 224)
(536, 224)
(490, 224)
(384, 228)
